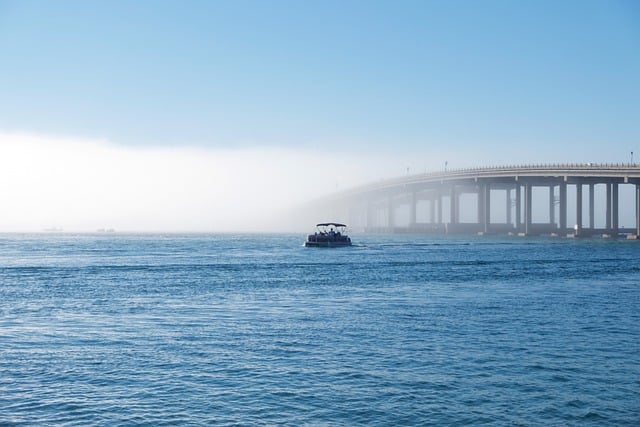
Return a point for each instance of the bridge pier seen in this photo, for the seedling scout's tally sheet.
(518, 207)
(562, 223)
(527, 208)
(484, 206)
(637, 209)
(432, 209)
(592, 222)
(390, 211)
(412, 209)
(614, 210)
(454, 203)
(552, 206)
(608, 207)
(578, 226)
(508, 206)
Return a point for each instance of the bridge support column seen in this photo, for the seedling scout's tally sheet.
(412, 209)
(614, 210)
(608, 208)
(552, 206)
(562, 211)
(592, 209)
(508, 192)
(432, 208)
(390, 209)
(578, 226)
(486, 214)
(518, 208)
(527, 208)
(480, 206)
(637, 209)
(483, 207)
(454, 215)
(439, 218)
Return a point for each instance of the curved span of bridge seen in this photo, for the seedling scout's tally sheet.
(373, 206)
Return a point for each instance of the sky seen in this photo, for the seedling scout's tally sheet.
(212, 115)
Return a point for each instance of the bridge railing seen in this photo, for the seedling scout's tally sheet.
(542, 166)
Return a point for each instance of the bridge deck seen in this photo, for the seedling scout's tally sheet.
(361, 205)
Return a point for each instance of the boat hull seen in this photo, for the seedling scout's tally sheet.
(327, 241)
(326, 244)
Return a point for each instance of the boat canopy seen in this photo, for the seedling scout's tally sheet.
(328, 224)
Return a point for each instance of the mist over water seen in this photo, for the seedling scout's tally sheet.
(84, 185)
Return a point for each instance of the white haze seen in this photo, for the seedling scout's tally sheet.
(84, 185)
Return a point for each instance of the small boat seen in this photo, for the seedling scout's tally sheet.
(328, 235)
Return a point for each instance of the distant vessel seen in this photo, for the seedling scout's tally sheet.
(328, 235)
(53, 230)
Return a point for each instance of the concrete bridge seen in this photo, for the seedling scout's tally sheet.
(566, 200)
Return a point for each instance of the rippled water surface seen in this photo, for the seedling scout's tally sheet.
(242, 330)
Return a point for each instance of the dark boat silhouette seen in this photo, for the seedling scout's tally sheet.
(328, 235)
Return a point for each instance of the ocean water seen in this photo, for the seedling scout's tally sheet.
(257, 330)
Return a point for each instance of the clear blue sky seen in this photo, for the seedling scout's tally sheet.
(523, 80)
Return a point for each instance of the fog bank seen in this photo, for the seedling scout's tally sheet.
(84, 185)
